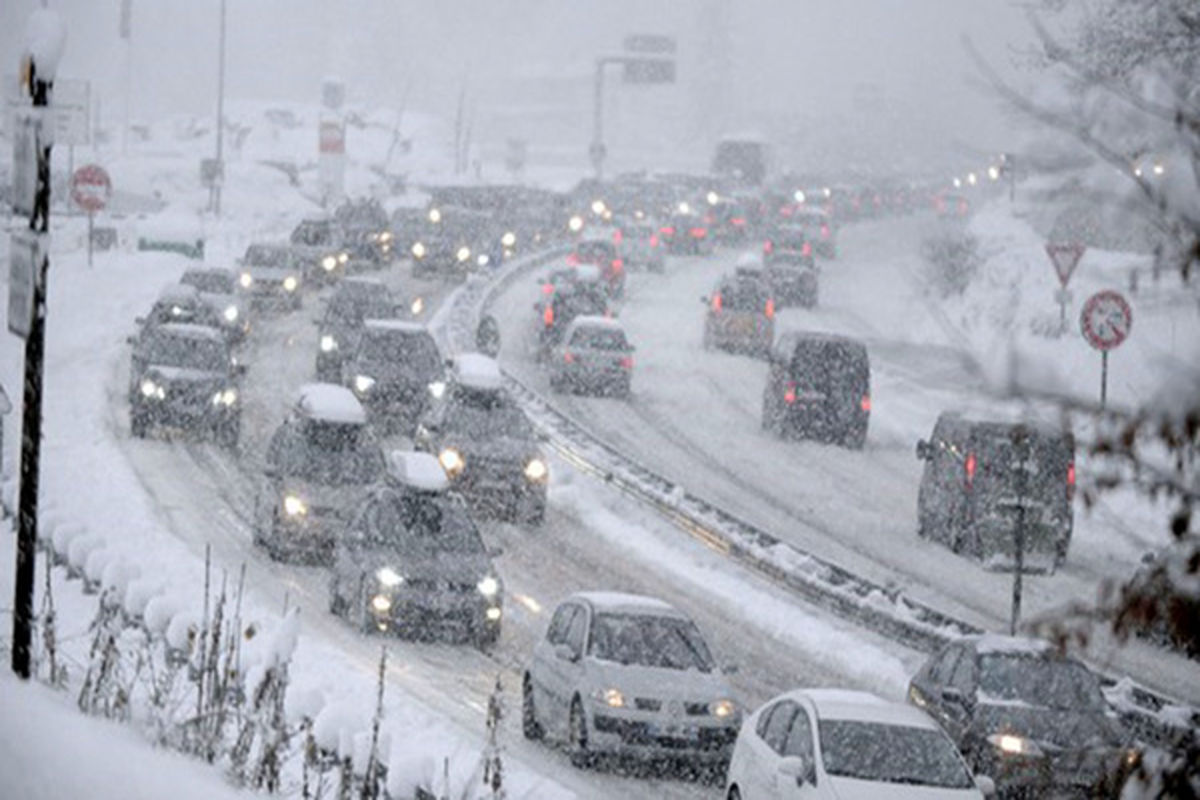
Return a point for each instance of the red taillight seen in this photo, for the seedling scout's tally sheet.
(547, 288)
(654, 240)
(970, 469)
(667, 231)
(789, 395)
(568, 357)
(716, 302)
(806, 251)
(770, 310)
(1070, 480)
(698, 233)
(824, 231)
(627, 362)
(768, 246)
(618, 265)
(865, 403)
(617, 236)
(548, 316)
(738, 221)
(573, 260)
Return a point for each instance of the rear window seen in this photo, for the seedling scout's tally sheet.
(594, 251)
(1045, 467)
(744, 296)
(600, 338)
(416, 350)
(268, 257)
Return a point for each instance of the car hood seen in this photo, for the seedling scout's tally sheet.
(854, 789)
(183, 374)
(320, 495)
(663, 684)
(455, 568)
(1059, 729)
(502, 447)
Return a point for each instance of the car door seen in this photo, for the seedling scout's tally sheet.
(799, 744)
(543, 672)
(766, 749)
(962, 682)
(946, 711)
(561, 675)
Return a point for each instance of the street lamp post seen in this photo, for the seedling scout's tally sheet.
(218, 177)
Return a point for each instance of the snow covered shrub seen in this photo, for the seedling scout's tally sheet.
(951, 260)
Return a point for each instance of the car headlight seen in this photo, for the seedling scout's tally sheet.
(226, 398)
(363, 383)
(343, 257)
(463, 253)
(482, 260)
(493, 614)
(1011, 744)
(329, 263)
(452, 461)
(722, 709)
(246, 280)
(290, 283)
(575, 224)
(437, 389)
(389, 577)
(149, 388)
(293, 506)
(435, 216)
(328, 343)
(488, 586)
(231, 313)
(381, 603)
(417, 306)
(508, 239)
(613, 698)
(418, 250)
(386, 236)
(536, 470)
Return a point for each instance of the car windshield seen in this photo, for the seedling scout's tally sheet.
(212, 282)
(187, 352)
(267, 257)
(352, 309)
(599, 338)
(166, 311)
(433, 525)
(489, 422)
(873, 751)
(327, 453)
(416, 351)
(1039, 681)
(313, 235)
(649, 641)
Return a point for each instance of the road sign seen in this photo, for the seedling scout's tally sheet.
(649, 70)
(72, 111)
(29, 131)
(332, 137)
(1106, 320)
(91, 188)
(649, 43)
(1065, 257)
(25, 254)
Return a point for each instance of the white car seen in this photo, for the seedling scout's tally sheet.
(620, 674)
(843, 745)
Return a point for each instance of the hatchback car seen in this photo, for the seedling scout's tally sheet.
(1031, 719)
(593, 356)
(741, 314)
(485, 443)
(627, 675)
(395, 370)
(218, 288)
(412, 560)
(819, 387)
(831, 743)
(354, 301)
(184, 376)
(320, 465)
(270, 275)
(977, 490)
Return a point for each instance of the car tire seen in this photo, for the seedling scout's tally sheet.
(581, 757)
(530, 727)
(337, 603)
(537, 515)
(734, 794)
(855, 439)
(228, 433)
(138, 426)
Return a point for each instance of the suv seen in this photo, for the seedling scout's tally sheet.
(485, 443)
(971, 486)
(353, 301)
(395, 370)
(271, 276)
(594, 354)
(741, 314)
(1033, 721)
(184, 375)
(320, 465)
(218, 288)
(818, 386)
(412, 560)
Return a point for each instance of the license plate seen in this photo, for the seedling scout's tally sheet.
(743, 326)
(675, 731)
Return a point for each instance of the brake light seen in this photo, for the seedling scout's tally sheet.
(618, 265)
(789, 396)
(824, 231)
(654, 240)
(768, 246)
(627, 362)
(698, 233)
(617, 236)
(865, 403)
(1070, 480)
(667, 230)
(806, 251)
(548, 316)
(716, 302)
(568, 357)
(573, 260)
(547, 288)
(970, 469)
(770, 308)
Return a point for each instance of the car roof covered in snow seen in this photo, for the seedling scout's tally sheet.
(600, 233)
(749, 261)
(593, 321)
(622, 602)
(1004, 421)
(190, 331)
(477, 371)
(846, 704)
(394, 326)
(417, 470)
(994, 643)
(178, 293)
(329, 402)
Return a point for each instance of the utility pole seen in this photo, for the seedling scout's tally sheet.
(215, 197)
(44, 47)
(1020, 440)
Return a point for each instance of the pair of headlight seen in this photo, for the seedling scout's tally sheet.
(615, 698)
(225, 397)
(389, 578)
(150, 389)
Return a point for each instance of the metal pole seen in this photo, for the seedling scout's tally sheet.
(91, 219)
(1103, 378)
(1021, 440)
(598, 120)
(31, 416)
(220, 116)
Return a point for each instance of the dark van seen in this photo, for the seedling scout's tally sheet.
(818, 387)
(976, 488)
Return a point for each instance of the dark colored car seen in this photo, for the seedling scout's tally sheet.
(395, 371)
(786, 241)
(353, 301)
(317, 244)
(218, 288)
(320, 465)
(1030, 719)
(731, 222)
(180, 303)
(486, 444)
(184, 376)
(453, 242)
(819, 387)
(568, 294)
(818, 229)
(686, 233)
(413, 562)
(975, 489)
(741, 314)
(593, 356)
(366, 235)
(271, 276)
(794, 280)
(601, 251)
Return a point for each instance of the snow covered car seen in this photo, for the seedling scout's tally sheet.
(413, 562)
(395, 370)
(971, 491)
(177, 303)
(317, 244)
(593, 356)
(365, 233)
(601, 249)
(1031, 719)
(627, 675)
(218, 288)
(354, 301)
(184, 376)
(270, 276)
(567, 294)
(485, 443)
(818, 386)
(320, 465)
(741, 314)
(835, 744)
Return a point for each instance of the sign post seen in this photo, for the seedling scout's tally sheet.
(1065, 257)
(90, 189)
(648, 59)
(1105, 321)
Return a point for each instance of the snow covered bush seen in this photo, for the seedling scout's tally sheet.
(952, 259)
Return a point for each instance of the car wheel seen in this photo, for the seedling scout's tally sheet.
(228, 433)
(855, 439)
(530, 727)
(577, 736)
(337, 605)
(537, 515)
(138, 426)
(734, 794)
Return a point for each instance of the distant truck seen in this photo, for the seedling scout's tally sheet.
(742, 160)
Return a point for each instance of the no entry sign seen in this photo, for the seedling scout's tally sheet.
(1106, 320)
(91, 188)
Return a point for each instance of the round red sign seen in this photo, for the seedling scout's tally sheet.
(91, 188)
(1106, 320)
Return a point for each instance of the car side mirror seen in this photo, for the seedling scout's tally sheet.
(985, 785)
(800, 768)
(239, 370)
(563, 652)
(924, 452)
(953, 696)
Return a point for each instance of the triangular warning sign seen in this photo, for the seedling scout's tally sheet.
(1065, 257)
